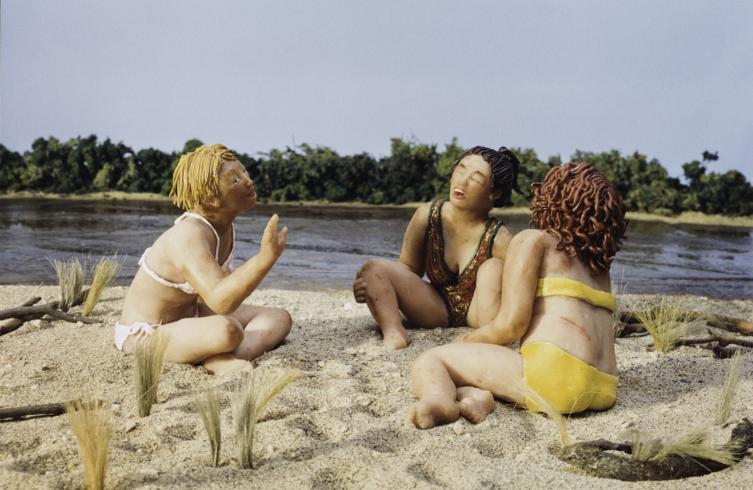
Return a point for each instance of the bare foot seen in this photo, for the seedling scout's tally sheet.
(428, 413)
(223, 364)
(396, 338)
(475, 404)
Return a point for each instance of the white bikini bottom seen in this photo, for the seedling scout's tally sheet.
(139, 329)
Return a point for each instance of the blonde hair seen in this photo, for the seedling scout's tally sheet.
(196, 179)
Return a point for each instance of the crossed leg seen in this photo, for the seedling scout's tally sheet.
(223, 343)
(388, 288)
(441, 375)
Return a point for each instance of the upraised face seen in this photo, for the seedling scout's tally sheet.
(236, 187)
(471, 183)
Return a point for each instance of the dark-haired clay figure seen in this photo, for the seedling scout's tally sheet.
(186, 286)
(459, 247)
(556, 301)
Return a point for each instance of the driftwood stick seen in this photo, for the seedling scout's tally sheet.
(721, 340)
(46, 410)
(593, 458)
(28, 311)
(70, 318)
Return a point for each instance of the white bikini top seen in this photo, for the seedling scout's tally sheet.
(227, 267)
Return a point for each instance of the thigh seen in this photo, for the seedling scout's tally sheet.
(192, 339)
(486, 366)
(417, 299)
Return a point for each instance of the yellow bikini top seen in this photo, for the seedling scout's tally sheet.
(562, 286)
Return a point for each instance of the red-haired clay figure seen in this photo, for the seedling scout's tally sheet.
(556, 301)
(459, 247)
(186, 287)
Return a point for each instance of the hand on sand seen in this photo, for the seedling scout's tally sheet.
(359, 287)
(273, 243)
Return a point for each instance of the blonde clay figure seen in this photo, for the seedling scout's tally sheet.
(459, 247)
(186, 285)
(556, 302)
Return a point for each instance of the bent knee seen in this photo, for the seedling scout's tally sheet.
(230, 333)
(372, 266)
(282, 321)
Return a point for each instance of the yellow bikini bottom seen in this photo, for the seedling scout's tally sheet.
(567, 383)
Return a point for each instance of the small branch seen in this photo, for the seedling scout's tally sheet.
(16, 317)
(46, 410)
(721, 340)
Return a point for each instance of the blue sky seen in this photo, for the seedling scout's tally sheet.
(670, 79)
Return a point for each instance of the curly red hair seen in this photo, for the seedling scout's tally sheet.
(578, 205)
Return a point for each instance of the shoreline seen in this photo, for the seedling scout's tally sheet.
(686, 218)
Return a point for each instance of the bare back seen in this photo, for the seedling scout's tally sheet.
(578, 327)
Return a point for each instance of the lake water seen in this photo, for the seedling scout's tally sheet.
(327, 245)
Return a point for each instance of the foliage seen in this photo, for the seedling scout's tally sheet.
(412, 172)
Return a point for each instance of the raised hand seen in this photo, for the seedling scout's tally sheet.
(272, 242)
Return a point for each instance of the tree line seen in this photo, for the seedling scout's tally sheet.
(412, 172)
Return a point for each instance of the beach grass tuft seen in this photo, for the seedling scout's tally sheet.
(551, 412)
(254, 391)
(70, 279)
(149, 355)
(208, 405)
(644, 446)
(695, 445)
(666, 323)
(104, 272)
(91, 424)
(728, 390)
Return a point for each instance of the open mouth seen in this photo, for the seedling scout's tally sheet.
(458, 194)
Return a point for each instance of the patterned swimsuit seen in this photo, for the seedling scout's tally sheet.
(456, 289)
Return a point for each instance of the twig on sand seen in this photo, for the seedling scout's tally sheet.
(595, 458)
(33, 411)
(31, 311)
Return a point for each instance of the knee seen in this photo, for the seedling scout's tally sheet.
(282, 321)
(230, 333)
(372, 266)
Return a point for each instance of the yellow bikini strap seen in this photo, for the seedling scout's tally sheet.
(562, 286)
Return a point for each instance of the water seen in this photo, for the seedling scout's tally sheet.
(327, 245)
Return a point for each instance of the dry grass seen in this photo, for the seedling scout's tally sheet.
(149, 355)
(551, 412)
(644, 446)
(255, 390)
(208, 405)
(695, 445)
(728, 390)
(666, 323)
(90, 422)
(619, 288)
(692, 445)
(70, 279)
(104, 272)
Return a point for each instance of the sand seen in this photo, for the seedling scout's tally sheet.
(343, 425)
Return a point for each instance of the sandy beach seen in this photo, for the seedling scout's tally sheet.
(343, 424)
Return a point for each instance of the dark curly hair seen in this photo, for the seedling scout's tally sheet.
(578, 205)
(504, 166)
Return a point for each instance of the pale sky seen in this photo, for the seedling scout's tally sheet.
(669, 79)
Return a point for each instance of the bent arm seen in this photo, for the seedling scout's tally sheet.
(414, 241)
(224, 294)
(519, 282)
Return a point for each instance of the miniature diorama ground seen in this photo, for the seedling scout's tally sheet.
(343, 423)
